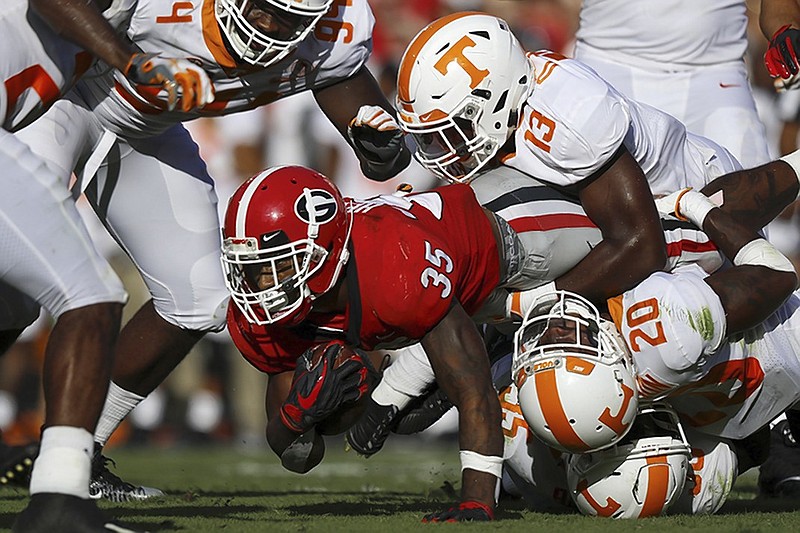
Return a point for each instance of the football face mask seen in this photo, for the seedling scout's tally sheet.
(576, 383)
(269, 285)
(263, 32)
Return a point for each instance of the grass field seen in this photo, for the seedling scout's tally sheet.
(233, 491)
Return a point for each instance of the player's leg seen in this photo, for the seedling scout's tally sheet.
(49, 256)
(157, 200)
(720, 106)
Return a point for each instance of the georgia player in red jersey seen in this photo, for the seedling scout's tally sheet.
(304, 265)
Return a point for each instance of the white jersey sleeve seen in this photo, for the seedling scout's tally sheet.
(572, 124)
(671, 323)
(338, 47)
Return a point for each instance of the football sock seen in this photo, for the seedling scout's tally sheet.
(119, 402)
(64, 463)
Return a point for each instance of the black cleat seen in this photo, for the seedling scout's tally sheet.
(779, 476)
(16, 463)
(107, 485)
(64, 513)
(368, 435)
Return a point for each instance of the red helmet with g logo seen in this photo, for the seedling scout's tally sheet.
(285, 241)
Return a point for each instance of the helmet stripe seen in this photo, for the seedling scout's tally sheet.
(410, 55)
(657, 486)
(247, 196)
(553, 411)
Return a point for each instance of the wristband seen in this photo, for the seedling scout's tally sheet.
(760, 252)
(693, 206)
(491, 464)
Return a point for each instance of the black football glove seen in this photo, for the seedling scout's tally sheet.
(318, 390)
(781, 57)
(379, 143)
(468, 511)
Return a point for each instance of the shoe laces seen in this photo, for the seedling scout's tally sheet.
(101, 474)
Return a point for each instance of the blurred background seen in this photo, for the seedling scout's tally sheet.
(214, 396)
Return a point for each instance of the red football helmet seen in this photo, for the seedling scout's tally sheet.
(285, 241)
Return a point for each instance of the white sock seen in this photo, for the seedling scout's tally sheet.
(64, 463)
(793, 160)
(119, 403)
(408, 377)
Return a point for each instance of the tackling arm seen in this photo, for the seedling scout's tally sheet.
(762, 278)
(379, 144)
(82, 22)
(777, 13)
(618, 200)
(461, 366)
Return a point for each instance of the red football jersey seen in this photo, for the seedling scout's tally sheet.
(412, 257)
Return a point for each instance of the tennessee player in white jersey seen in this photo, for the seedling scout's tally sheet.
(48, 257)
(683, 57)
(144, 161)
(473, 99)
(337, 49)
(719, 348)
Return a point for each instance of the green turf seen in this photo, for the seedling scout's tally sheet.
(233, 491)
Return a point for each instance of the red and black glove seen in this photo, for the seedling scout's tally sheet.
(468, 511)
(321, 387)
(781, 56)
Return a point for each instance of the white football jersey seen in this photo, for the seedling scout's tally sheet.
(674, 325)
(337, 48)
(667, 33)
(37, 66)
(574, 122)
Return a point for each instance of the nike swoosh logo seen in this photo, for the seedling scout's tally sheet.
(305, 402)
(729, 85)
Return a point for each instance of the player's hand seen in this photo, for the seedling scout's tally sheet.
(181, 78)
(668, 205)
(468, 511)
(319, 389)
(687, 204)
(781, 57)
(376, 134)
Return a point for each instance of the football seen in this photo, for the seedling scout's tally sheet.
(347, 414)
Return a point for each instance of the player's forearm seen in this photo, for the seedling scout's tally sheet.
(461, 366)
(82, 22)
(754, 197)
(613, 267)
(777, 13)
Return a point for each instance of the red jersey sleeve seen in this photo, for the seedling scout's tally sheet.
(270, 349)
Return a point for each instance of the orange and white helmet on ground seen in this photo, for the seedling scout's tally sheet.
(576, 380)
(461, 83)
(644, 475)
